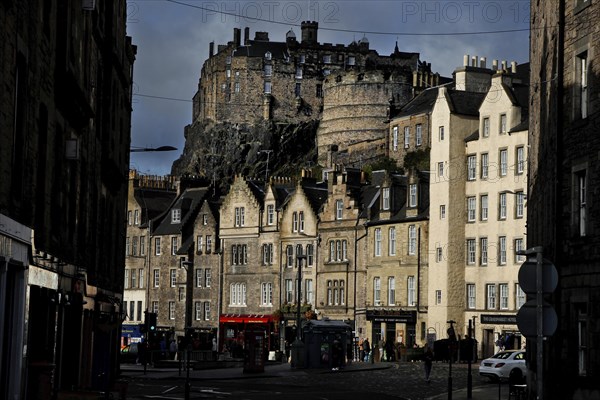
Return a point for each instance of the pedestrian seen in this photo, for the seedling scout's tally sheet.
(428, 359)
(361, 350)
(389, 351)
(214, 348)
(366, 349)
(172, 349)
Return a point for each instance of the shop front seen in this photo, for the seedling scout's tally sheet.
(396, 326)
(234, 328)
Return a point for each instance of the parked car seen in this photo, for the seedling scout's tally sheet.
(504, 364)
(129, 353)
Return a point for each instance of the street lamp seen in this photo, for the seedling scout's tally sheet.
(188, 321)
(135, 149)
(298, 345)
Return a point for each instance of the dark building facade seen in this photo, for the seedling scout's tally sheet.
(564, 173)
(65, 106)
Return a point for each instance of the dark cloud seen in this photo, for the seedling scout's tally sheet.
(173, 42)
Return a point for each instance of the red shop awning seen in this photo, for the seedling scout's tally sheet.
(245, 319)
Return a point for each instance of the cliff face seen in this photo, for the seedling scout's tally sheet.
(219, 151)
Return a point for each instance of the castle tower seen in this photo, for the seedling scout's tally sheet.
(309, 32)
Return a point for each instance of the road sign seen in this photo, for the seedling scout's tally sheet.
(527, 277)
(527, 322)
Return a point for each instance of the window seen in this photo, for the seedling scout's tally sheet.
(502, 250)
(503, 296)
(239, 216)
(582, 337)
(155, 307)
(344, 250)
(204, 219)
(332, 256)
(139, 311)
(136, 217)
(131, 310)
(129, 220)
(266, 294)
(377, 291)
(519, 204)
(377, 242)
(503, 162)
(502, 206)
(491, 296)
(268, 55)
(199, 243)
(181, 293)
(199, 275)
(520, 160)
(171, 310)
(395, 138)
(157, 246)
(298, 72)
(502, 123)
(267, 87)
(239, 254)
(126, 283)
(440, 168)
(439, 254)
(208, 243)
(298, 89)
(392, 243)
(443, 211)
(520, 297)
(411, 291)
(470, 251)
(385, 193)
(319, 93)
(301, 217)
(310, 255)
(237, 294)
(471, 167)
(471, 296)
(268, 70)
(295, 222)
(289, 291)
(581, 96)
(309, 291)
(133, 279)
(236, 87)
(302, 59)
(581, 202)
(207, 310)
(486, 127)
(412, 240)
(142, 245)
(329, 293)
(173, 277)
(485, 163)
(412, 199)
(198, 310)
(419, 134)
(406, 136)
(289, 252)
(519, 246)
(270, 214)
(327, 59)
(339, 209)
(127, 246)
(174, 246)
(336, 294)
(267, 253)
(441, 133)
(391, 291)
(141, 275)
(438, 297)
(207, 277)
(484, 207)
(483, 248)
(156, 278)
(175, 216)
(471, 209)
(351, 60)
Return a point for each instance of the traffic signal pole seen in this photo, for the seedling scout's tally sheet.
(539, 303)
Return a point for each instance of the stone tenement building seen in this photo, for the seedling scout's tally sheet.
(65, 107)
(564, 175)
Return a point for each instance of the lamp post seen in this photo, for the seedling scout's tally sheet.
(298, 345)
(187, 322)
(452, 341)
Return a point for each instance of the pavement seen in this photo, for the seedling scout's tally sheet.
(280, 370)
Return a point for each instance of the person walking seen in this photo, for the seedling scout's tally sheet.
(366, 349)
(428, 359)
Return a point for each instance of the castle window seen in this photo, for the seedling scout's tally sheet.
(301, 59)
(267, 87)
(268, 55)
(340, 57)
(327, 59)
(268, 70)
(351, 60)
(298, 89)
(299, 73)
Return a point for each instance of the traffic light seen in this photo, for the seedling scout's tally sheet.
(150, 323)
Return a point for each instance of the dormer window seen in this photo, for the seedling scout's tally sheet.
(385, 201)
(176, 216)
(412, 199)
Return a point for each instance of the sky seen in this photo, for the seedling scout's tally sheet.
(173, 36)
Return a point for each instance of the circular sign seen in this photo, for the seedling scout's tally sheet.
(527, 277)
(527, 319)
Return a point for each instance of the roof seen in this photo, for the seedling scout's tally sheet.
(465, 103)
(258, 48)
(188, 203)
(153, 201)
(473, 136)
(316, 194)
(523, 126)
(423, 103)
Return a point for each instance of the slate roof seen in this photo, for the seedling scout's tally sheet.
(523, 126)
(316, 194)
(465, 103)
(153, 202)
(188, 203)
(423, 103)
(473, 136)
(258, 48)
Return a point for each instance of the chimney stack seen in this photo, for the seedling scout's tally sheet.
(211, 49)
(482, 62)
(504, 65)
(495, 65)
(474, 61)
(513, 67)
(466, 60)
(246, 36)
(237, 37)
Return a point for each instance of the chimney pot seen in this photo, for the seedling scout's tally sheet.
(482, 62)
(474, 61)
(513, 67)
(465, 60)
(504, 65)
(495, 65)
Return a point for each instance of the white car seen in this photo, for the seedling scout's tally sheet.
(501, 365)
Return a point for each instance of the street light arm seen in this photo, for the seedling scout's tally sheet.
(143, 149)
